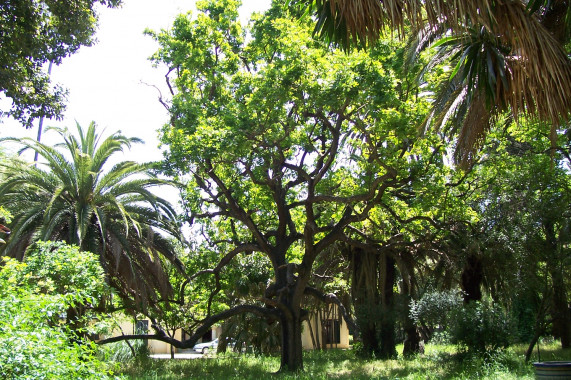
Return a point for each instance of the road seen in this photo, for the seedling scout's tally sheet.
(184, 355)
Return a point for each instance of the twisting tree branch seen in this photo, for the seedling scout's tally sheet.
(205, 326)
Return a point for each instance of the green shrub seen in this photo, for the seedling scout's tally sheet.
(480, 327)
(122, 352)
(434, 311)
(35, 341)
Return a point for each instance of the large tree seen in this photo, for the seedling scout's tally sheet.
(33, 33)
(284, 143)
(73, 195)
(525, 220)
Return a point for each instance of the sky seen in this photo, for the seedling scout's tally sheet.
(112, 81)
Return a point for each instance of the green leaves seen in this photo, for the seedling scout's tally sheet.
(33, 33)
(288, 141)
(62, 269)
(35, 342)
(77, 198)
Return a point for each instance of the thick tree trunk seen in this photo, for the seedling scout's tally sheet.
(472, 276)
(412, 341)
(561, 318)
(370, 340)
(560, 305)
(388, 321)
(292, 355)
(365, 296)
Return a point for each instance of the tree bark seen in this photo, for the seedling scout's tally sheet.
(412, 341)
(472, 276)
(370, 340)
(365, 295)
(560, 305)
(292, 355)
(388, 321)
(561, 319)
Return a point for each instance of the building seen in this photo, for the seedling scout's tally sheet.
(324, 329)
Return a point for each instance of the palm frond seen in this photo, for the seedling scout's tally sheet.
(109, 212)
(476, 124)
(518, 61)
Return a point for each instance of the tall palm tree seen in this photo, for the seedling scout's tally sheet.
(70, 195)
(511, 56)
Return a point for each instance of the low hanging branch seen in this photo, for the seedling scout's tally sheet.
(205, 326)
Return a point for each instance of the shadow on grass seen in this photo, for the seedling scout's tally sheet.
(439, 362)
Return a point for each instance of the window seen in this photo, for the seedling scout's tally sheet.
(207, 337)
(142, 327)
(331, 331)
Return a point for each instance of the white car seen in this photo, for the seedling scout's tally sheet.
(205, 347)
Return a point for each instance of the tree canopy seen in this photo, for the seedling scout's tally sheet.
(33, 33)
(284, 144)
(308, 178)
(506, 56)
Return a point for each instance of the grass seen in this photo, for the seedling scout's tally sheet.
(438, 362)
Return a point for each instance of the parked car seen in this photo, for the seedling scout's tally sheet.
(205, 347)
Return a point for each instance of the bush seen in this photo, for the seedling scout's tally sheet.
(35, 341)
(434, 311)
(122, 352)
(480, 327)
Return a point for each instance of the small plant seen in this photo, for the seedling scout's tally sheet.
(122, 352)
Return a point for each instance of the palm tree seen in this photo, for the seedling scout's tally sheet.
(509, 55)
(70, 196)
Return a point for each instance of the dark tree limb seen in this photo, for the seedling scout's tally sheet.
(433, 222)
(248, 247)
(237, 211)
(205, 326)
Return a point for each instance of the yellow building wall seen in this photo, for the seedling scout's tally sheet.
(316, 328)
(158, 347)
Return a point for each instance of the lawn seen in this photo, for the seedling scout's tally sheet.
(438, 362)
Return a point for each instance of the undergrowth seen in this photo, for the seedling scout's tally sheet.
(438, 362)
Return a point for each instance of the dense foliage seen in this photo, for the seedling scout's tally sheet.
(285, 170)
(504, 56)
(307, 183)
(33, 33)
(35, 341)
(76, 196)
